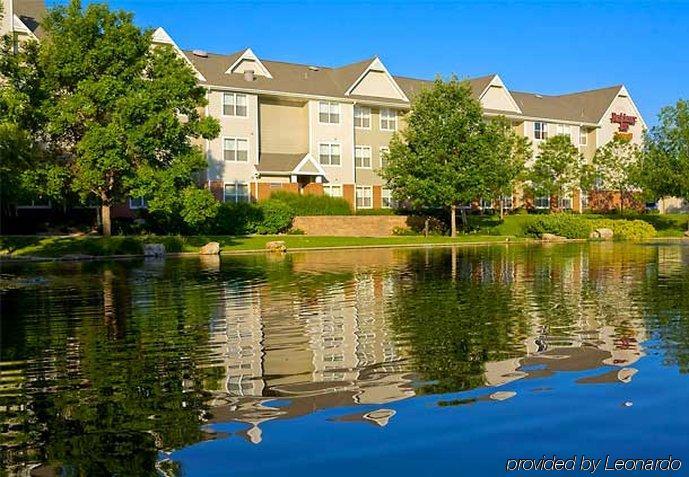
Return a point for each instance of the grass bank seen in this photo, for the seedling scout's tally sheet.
(56, 247)
(670, 225)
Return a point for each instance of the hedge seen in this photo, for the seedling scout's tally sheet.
(313, 204)
(580, 227)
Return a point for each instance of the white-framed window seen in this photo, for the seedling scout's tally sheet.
(486, 204)
(362, 157)
(564, 130)
(40, 203)
(236, 192)
(507, 202)
(540, 131)
(542, 202)
(565, 203)
(328, 112)
(235, 149)
(234, 104)
(332, 190)
(386, 198)
(364, 197)
(383, 151)
(362, 117)
(329, 153)
(584, 200)
(137, 203)
(388, 119)
(583, 136)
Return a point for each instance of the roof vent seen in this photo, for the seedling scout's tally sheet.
(249, 75)
(540, 96)
(314, 68)
(200, 53)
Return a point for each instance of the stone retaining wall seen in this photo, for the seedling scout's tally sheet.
(350, 225)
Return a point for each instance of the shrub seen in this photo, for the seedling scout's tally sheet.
(625, 229)
(564, 225)
(199, 208)
(277, 217)
(313, 204)
(237, 219)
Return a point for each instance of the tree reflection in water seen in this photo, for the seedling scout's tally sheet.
(107, 364)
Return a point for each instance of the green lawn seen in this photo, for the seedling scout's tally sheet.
(132, 245)
(668, 225)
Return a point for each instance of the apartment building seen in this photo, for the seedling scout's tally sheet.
(325, 130)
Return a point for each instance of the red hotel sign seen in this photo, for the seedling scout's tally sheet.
(623, 120)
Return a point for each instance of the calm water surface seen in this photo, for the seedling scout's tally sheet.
(406, 362)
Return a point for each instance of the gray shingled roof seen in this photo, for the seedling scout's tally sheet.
(585, 106)
(275, 162)
(31, 12)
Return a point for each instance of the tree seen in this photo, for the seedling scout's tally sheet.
(117, 109)
(557, 169)
(510, 153)
(664, 168)
(440, 158)
(614, 168)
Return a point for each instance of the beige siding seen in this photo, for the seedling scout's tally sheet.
(6, 21)
(375, 138)
(621, 104)
(284, 126)
(334, 133)
(498, 98)
(377, 84)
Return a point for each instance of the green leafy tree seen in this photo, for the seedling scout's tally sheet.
(614, 167)
(557, 168)
(440, 159)
(664, 169)
(509, 152)
(120, 110)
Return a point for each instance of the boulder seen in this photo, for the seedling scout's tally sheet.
(276, 246)
(552, 238)
(211, 248)
(154, 250)
(602, 234)
(686, 234)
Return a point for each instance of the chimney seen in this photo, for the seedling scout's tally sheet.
(249, 75)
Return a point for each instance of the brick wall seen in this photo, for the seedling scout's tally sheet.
(313, 188)
(348, 194)
(609, 201)
(350, 225)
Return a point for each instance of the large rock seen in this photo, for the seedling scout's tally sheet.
(154, 250)
(602, 234)
(276, 246)
(686, 234)
(552, 238)
(211, 248)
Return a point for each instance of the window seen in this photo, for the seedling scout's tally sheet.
(388, 119)
(236, 192)
(583, 137)
(362, 117)
(564, 130)
(386, 197)
(384, 150)
(507, 202)
(332, 190)
(235, 149)
(584, 200)
(362, 157)
(486, 204)
(329, 154)
(565, 203)
(364, 197)
(543, 202)
(234, 104)
(329, 112)
(540, 131)
(137, 203)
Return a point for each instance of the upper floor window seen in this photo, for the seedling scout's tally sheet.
(384, 151)
(329, 112)
(329, 154)
(362, 157)
(564, 130)
(234, 104)
(237, 192)
(583, 136)
(362, 117)
(388, 119)
(137, 203)
(540, 131)
(236, 149)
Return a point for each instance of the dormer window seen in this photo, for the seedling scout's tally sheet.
(234, 104)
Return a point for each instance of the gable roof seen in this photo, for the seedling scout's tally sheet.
(30, 12)
(585, 106)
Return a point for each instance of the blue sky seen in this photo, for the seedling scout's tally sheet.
(547, 47)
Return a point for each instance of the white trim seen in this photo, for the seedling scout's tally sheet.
(18, 26)
(237, 182)
(497, 81)
(370, 156)
(222, 105)
(380, 119)
(380, 154)
(309, 158)
(138, 207)
(330, 144)
(356, 196)
(161, 36)
(241, 138)
(622, 92)
(382, 197)
(329, 103)
(370, 115)
(331, 187)
(249, 55)
(377, 65)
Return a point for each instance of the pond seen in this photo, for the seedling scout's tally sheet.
(391, 361)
